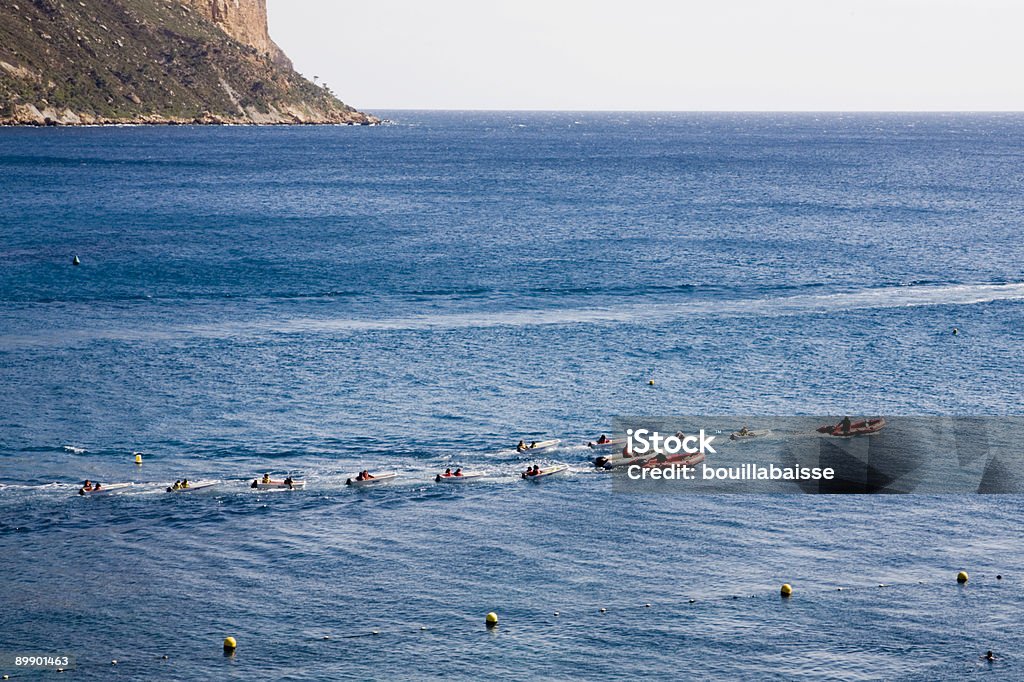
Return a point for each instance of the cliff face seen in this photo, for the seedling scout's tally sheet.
(152, 61)
(243, 20)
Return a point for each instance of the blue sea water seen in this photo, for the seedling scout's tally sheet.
(321, 300)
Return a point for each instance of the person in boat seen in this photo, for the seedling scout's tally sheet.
(602, 440)
(845, 425)
(87, 485)
(447, 473)
(288, 481)
(533, 444)
(95, 486)
(184, 483)
(458, 472)
(176, 486)
(266, 478)
(521, 446)
(364, 476)
(744, 431)
(255, 484)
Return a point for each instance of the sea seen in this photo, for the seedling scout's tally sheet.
(316, 301)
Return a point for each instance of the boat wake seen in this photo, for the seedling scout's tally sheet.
(801, 304)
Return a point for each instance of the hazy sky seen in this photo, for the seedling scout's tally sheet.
(661, 55)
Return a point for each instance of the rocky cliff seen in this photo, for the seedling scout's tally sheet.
(152, 61)
(243, 20)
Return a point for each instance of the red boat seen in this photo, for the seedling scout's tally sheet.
(686, 459)
(864, 427)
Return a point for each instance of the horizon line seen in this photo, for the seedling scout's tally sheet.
(696, 111)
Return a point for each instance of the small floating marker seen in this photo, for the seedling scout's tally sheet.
(650, 382)
(882, 585)
(326, 637)
(692, 601)
(647, 606)
(999, 577)
(786, 590)
(75, 261)
(961, 577)
(423, 627)
(839, 589)
(230, 645)
(113, 662)
(138, 458)
(603, 610)
(375, 632)
(491, 619)
(556, 614)
(164, 657)
(955, 331)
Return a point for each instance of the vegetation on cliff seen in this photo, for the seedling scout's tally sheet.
(149, 61)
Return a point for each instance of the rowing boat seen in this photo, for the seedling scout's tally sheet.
(608, 444)
(685, 459)
(546, 472)
(194, 487)
(106, 489)
(542, 446)
(747, 435)
(376, 480)
(864, 427)
(278, 485)
(464, 477)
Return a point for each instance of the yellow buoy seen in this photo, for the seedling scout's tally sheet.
(492, 619)
(961, 577)
(138, 458)
(786, 590)
(651, 382)
(230, 644)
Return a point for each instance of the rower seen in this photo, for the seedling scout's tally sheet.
(458, 472)
(266, 478)
(288, 481)
(521, 446)
(255, 484)
(95, 486)
(447, 473)
(533, 444)
(184, 483)
(845, 424)
(176, 486)
(602, 440)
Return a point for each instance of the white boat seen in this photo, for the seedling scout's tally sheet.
(106, 489)
(608, 444)
(194, 486)
(377, 479)
(465, 477)
(278, 485)
(541, 446)
(547, 472)
(740, 435)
